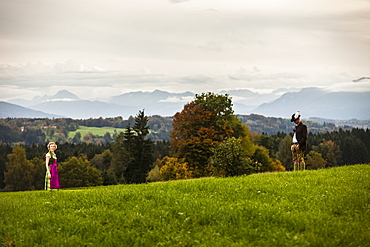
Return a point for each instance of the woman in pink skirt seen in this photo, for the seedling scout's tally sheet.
(52, 175)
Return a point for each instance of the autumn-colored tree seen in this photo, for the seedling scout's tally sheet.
(154, 174)
(174, 169)
(202, 125)
(277, 166)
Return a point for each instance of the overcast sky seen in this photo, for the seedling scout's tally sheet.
(102, 48)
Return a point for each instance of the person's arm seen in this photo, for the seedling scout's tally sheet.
(47, 166)
(303, 140)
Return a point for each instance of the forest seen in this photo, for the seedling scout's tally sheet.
(204, 139)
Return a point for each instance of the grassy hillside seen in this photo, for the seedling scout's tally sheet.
(94, 130)
(328, 207)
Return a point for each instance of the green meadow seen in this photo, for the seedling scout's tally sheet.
(94, 130)
(328, 207)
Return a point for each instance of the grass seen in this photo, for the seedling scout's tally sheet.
(328, 207)
(94, 130)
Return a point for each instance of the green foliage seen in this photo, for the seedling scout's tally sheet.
(39, 173)
(230, 159)
(121, 158)
(314, 160)
(5, 149)
(78, 172)
(20, 174)
(261, 156)
(102, 161)
(285, 154)
(328, 207)
(330, 152)
(132, 154)
(140, 148)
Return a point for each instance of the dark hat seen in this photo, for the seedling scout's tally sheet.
(295, 116)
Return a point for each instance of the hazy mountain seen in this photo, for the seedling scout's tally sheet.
(84, 109)
(245, 101)
(62, 95)
(16, 111)
(315, 102)
(155, 103)
(312, 102)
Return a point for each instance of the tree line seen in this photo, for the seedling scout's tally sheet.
(40, 130)
(206, 139)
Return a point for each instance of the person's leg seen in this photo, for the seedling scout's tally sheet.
(302, 164)
(47, 182)
(295, 157)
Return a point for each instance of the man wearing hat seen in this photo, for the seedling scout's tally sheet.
(299, 143)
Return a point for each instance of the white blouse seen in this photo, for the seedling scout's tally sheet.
(48, 155)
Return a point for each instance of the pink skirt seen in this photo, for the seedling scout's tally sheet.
(52, 183)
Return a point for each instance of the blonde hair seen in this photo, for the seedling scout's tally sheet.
(52, 143)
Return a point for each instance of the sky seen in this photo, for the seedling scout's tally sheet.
(101, 48)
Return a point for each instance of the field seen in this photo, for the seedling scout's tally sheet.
(329, 207)
(94, 130)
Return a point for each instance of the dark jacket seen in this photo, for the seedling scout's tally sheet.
(301, 135)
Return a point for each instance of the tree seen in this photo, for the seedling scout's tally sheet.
(20, 172)
(265, 141)
(230, 159)
(107, 137)
(39, 173)
(201, 126)
(132, 154)
(330, 152)
(261, 156)
(141, 151)
(102, 163)
(354, 151)
(121, 158)
(78, 172)
(284, 154)
(314, 160)
(4, 151)
(77, 138)
(174, 169)
(31, 136)
(154, 175)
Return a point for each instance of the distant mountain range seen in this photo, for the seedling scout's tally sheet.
(315, 102)
(312, 102)
(16, 111)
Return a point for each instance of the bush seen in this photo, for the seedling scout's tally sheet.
(78, 172)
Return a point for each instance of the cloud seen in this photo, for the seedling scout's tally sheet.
(361, 79)
(121, 46)
(349, 86)
(178, 1)
(178, 99)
